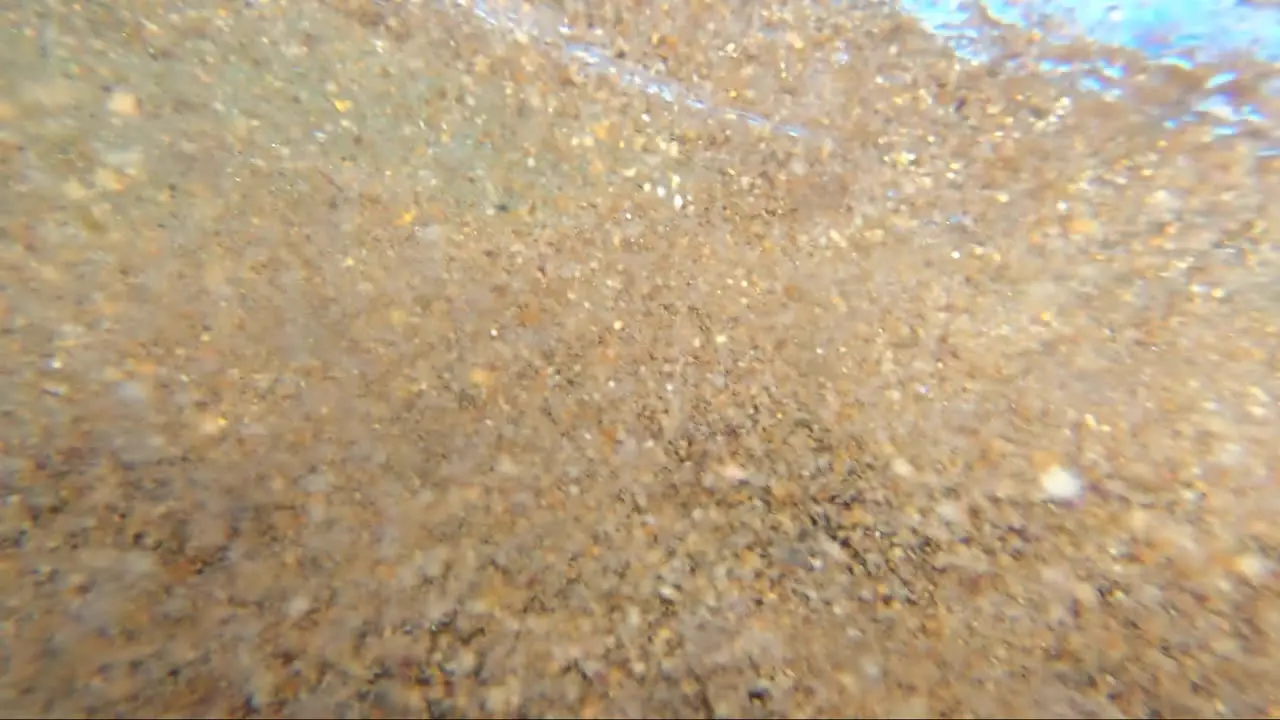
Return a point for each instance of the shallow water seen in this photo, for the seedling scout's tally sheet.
(467, 359)
(1121, 50)
(1230, 46)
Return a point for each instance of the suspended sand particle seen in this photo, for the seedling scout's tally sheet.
(1061, 484)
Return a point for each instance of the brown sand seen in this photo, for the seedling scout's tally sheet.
(365, 359)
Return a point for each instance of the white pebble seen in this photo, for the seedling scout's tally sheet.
(902, 468)
(298, 606)
(1061, 484)
(1253, 567)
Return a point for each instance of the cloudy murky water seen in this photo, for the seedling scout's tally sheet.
(485, 358)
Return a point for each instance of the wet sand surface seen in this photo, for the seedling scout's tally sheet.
(372, 359)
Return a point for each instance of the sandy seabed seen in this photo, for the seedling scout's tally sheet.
(384, 360)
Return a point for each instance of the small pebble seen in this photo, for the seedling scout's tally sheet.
(1061, 484)
(902, 468)
(124, 104)
(1253, 567)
